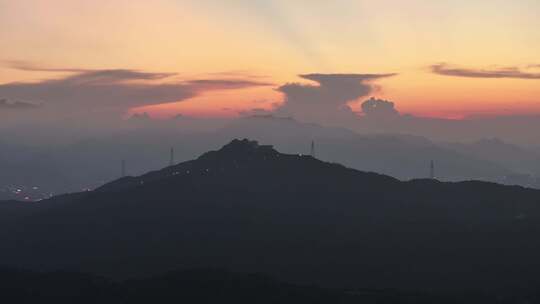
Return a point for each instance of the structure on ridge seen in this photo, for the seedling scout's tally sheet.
(171, 157)
(123, 168)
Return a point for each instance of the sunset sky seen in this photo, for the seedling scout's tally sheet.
(451, 58)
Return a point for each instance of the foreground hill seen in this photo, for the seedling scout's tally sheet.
(250, 208)
(200, 286)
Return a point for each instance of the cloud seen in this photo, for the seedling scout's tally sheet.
(15, 105)
(237, 74)
(87, 75)
(328, 100)
(509, 72)
(116, 90)
(379, 108)
(216, 84)
(106, 77)
(32, 67)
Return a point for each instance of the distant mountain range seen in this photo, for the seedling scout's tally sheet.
(91, 162)
(249, 208)
(402, 156)
(522, 161)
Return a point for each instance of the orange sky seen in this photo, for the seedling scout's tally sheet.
(280, 39)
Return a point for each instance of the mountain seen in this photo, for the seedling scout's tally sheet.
(249, 208)
(195, 286)
(402, 156)
(11, 211)
(32, 171)
(524, 161)
(91, 161)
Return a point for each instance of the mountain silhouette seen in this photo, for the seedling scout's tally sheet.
(249, 208)
(398, 155)
(90, 161)
(195, 286)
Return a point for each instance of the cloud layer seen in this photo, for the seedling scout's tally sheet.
(115, 90)
(509, 72)
(326, 101)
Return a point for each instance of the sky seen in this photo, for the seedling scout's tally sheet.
(214, 58)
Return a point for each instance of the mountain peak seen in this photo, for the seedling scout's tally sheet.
(239, 149)
(245, 144)
(242, 147)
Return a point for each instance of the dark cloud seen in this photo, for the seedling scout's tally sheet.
(15, 105)
(508, 72)
(328, 100)
(116, 90)
(379, 108)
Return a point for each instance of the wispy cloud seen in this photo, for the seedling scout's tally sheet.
(33, 67)
(507, 72)
(215, 84)
(115, 89)
(237, 74)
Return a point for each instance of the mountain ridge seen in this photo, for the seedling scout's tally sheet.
(247, 207)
